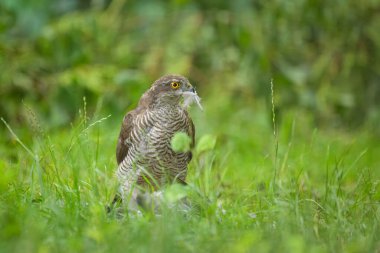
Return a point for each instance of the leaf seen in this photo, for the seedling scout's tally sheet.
(207, 142)
(180, 142)
(175, 192)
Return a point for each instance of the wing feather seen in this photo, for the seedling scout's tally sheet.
(191, 133)
(125, 132)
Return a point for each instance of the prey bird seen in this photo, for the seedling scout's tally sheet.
(146, 160)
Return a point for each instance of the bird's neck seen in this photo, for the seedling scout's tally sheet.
(167, 102)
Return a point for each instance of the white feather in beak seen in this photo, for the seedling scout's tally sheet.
(191, 97)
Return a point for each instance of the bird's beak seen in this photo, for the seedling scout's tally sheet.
(190, 88)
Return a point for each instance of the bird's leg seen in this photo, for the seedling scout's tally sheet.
(150, 200)
(131, 198)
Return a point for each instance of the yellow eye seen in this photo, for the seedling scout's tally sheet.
(175, 85)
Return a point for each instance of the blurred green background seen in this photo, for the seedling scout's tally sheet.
(323, 56)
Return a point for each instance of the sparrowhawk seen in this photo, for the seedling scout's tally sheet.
(144, 154)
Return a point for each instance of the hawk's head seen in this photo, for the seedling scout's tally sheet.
(171, 90)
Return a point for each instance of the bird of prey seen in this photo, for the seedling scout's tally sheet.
(144, 154)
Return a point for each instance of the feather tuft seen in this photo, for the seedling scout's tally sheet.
(191, 97)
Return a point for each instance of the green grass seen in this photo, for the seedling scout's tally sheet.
(307, 190)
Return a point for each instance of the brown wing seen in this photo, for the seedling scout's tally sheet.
(191, 132)
(127, 126)
(122, 143)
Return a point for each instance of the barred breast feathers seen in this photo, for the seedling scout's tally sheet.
(150, 148)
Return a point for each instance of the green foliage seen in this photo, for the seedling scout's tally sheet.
(175, 193)
(181, 142)
(54, 53)
(205, 143)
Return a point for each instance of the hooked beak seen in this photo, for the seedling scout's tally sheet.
(188, 87)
